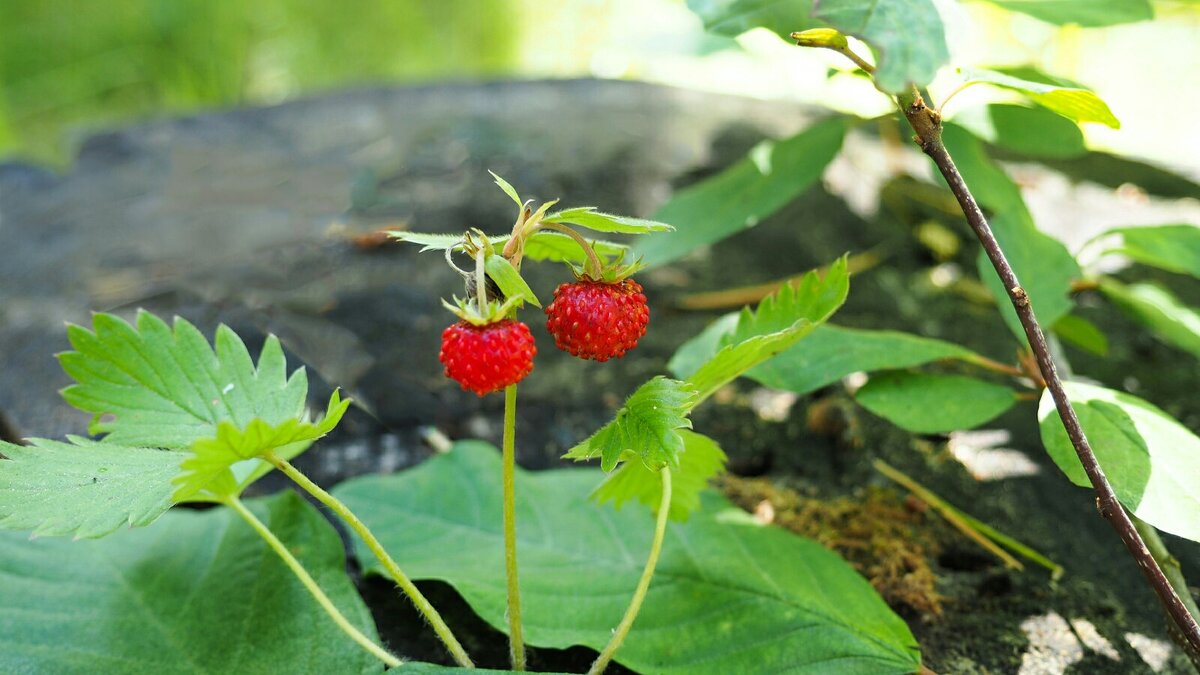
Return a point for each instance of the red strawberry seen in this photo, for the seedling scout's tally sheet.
(487, 358)
(597, 319)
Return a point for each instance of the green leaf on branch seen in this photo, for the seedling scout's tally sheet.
(776, 602)
(1082, 333)
(780, 321)
(435, 242)
(225, 464)
(1175, 248)
(1035, 132)
(1085, 13)
(83, 488)
(589, 217)
(168, 388)
(907, 37)
(929, 403)
(741, 196)
(1155, 308)
(1151, 459)
(509, 280)
(558, 247)
(700, 460)
(199, 592)
(508, 190)
(1043, 264)
(1074, 103)
(646, 427)
(734, 17)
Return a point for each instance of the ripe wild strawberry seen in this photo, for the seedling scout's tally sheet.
(489, 357)
(597, 319)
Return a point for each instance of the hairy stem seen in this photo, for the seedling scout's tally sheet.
(593, 267)
(928, 126)
(639, 594)
(516, 638)
(309, 583)
(337, 506)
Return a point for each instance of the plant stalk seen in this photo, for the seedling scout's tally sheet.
(338, 507)
(516, 638)
(639, 594)
(928, 126)
(309, 583)
(593, 267)
(1174, 572)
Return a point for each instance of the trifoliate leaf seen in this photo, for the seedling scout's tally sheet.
(589, 217)
(218, 466)
(168, 389)
(508, 189)
(82, 487)
(700, 460)
(509, 280)
(646, 427)
(778, 322)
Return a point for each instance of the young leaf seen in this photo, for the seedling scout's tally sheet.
(1152, 306)
(1175, 248)
(218, 466)
(508, 190)
(168, 389)
(734, 17)
(700, 460)
(1085, 13)
(1151, 459)
(778, 322)
(435, 242)
(83, 488)
(589, 217)
(199, 592)
(509, 280)
(773, 174)
(906, 35)
(777, 602)
(930, 403)
(646, 427)
(1082, 333)
(1074, 103)
(558, 247)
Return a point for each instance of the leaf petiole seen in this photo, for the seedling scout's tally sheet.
(422, 604)
(311, 585)
(635, 605)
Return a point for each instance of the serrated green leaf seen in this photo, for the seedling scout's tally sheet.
(779, 321)
(700, 460)
(1035, 132)
(647, 426)
(509, 280)
(167, 388)
(197, 593)
(1074, 103)
(734, 17)
(767, 179)
(1043, 264)
(1082, 333)
(1150, 459)
(729, 595)
(83, 488)
(906, 35)
(1175, 248)
(931, 403)
(508, 190)
(558, 247)
(217, 467)
(1085, 13)
(589, 217)
(1155, 308)
(435, 242)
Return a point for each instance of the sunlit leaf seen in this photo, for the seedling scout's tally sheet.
(1086, 13)
(1155, 308)
(907, 37)
(647, 426)
(589, 217)
(1175, 248)
(1074, 103)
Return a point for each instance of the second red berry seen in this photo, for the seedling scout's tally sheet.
(596, 319)
(487, 358)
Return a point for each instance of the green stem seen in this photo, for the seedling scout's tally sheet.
(310, 584)
(660, 530)
(593, 268)
(337, 506)
(516, 639)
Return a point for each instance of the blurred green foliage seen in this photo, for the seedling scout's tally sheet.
(69, 62)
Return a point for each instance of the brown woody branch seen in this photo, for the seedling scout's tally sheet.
(927, 124)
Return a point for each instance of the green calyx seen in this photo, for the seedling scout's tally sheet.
(608, 272)
(468, 310)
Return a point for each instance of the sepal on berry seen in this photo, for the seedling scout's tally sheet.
(468, 310)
